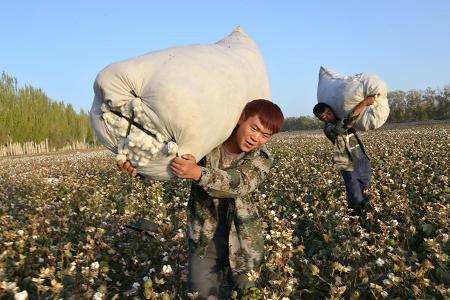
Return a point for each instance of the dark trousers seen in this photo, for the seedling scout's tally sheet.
(357, 181)
(210, 275)
(207, 274)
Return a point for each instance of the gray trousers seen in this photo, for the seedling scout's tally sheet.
(211, 275)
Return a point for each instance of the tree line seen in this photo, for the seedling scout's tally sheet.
(413, 105)
(28, 114)
(417, 105)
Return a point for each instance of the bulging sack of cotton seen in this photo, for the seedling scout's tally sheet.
(181, 100)
(343, 93)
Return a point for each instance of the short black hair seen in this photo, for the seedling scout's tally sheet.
(319, 108)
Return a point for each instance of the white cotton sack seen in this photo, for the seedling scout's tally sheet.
(343, 93)
(190, 98)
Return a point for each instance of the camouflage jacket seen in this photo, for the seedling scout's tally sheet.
(347, 145)
(246, 243)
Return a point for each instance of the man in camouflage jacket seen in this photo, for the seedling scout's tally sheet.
(224, 231)
(349, 156)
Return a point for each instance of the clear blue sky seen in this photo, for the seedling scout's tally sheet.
(60, 46)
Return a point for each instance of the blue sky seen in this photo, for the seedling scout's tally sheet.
(60, 46)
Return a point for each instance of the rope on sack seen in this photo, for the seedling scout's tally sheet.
(131, 120)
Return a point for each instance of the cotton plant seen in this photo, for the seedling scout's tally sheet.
(314, 248)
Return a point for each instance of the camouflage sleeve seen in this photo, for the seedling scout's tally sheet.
(236, 182)
(349, 120)
(332, 130)
(329, 132)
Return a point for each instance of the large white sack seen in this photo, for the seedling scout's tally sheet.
(190, 97)
(343, 93)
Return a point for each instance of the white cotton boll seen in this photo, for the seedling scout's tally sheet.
(142, 135)
(148, 127)
(142, 149)
(140, 152)
(159, 137)
(157, 143)
(107, 116)
(136, 102)
(23, 295)
(150, 154)
(131, 143)
(147, 144)
(133, 131)
(142, 138)
(132, 135)
(116, 129)
(123, 110)
(171, 148)
(104, 108)
(137, 117)
(138, 143)
(143, 162)
(123, 123)
(122, 132)
(98, 296)
(121, 157)
(153, 150)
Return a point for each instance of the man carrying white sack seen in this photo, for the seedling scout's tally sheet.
(224, 232)
(349, 158)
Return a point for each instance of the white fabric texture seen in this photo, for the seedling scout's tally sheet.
(189, 97)
(343, 93)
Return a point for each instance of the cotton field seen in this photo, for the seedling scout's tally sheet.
(62, 218)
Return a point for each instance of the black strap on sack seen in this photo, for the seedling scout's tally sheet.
(132, 122)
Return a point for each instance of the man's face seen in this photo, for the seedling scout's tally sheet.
(328, 116)
(251, 134)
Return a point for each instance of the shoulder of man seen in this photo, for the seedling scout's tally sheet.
(212, 158)
(260, 152)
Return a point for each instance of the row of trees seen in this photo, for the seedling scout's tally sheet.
(413, 105)
(416, 105)
(28, 114)
(301, 123)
